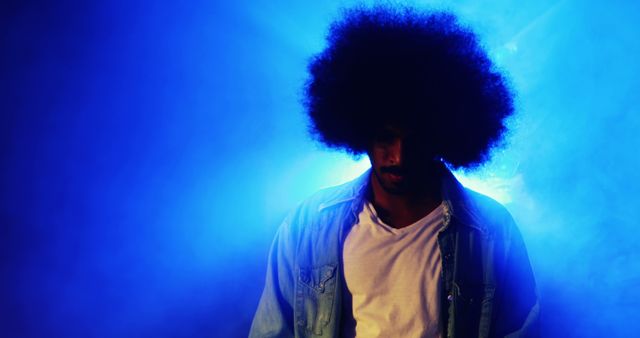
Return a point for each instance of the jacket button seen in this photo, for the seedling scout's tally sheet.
(450, 297)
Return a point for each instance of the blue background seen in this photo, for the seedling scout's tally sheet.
(149, 150)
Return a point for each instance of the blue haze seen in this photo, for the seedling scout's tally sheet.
(149, 150)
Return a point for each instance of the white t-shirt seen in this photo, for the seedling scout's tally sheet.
(394, 276)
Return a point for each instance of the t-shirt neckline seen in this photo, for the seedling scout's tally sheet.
(425, 220)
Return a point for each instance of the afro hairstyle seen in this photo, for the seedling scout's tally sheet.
(401, 67)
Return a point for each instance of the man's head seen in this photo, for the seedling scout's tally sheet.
(419, 74)
(401, 162)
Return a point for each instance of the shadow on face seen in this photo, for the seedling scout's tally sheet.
(403, 161)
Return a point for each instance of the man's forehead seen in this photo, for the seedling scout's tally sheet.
(398, 130)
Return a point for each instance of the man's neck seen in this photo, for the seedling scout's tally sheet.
(401, 210)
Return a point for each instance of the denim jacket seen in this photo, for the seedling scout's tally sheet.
(488, 284)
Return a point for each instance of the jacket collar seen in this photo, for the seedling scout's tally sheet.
(457, 202)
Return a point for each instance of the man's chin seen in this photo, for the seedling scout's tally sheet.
(395, 188)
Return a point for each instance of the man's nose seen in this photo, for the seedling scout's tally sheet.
(395, 152)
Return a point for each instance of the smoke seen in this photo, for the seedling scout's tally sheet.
(150, 150)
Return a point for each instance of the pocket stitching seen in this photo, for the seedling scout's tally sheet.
(306, 279)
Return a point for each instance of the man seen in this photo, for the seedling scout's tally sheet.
(404, 250)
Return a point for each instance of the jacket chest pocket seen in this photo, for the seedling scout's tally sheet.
(315, 293)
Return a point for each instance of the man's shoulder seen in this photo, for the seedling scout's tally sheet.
(485, 203)
(318, 214)
(333, 195)
(487, 213)
(328, 197)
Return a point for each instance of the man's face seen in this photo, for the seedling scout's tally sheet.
(402, 161)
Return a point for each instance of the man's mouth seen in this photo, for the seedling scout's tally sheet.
(393, 174)
(395, 177)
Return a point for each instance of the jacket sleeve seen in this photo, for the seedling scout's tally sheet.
(517, 307)
(274, 316)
